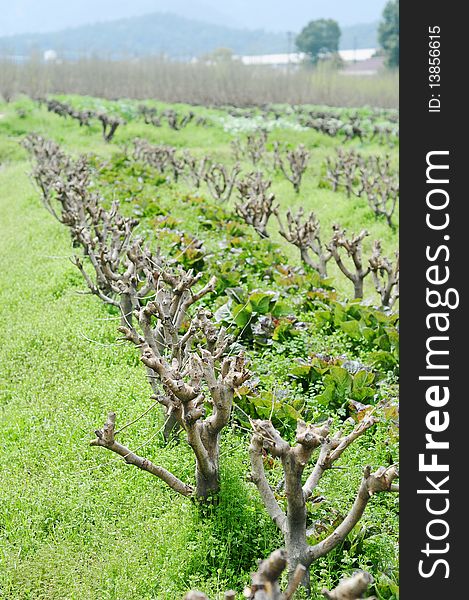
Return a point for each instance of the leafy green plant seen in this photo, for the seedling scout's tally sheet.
(342, 382)
(366, 326)
(256, 317)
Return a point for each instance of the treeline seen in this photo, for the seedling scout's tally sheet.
(229, 83)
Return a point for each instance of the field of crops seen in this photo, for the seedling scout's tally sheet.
(241, 284)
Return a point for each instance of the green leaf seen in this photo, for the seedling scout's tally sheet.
(301, 372)
(223, 314)
(369, 334)
(362, 378)
(383, 342)
(284, 331)
(323, 317)
(385, 361)
(339, 314)
(352, 328)
(393, 335)
(341, 378)
(327, 397)
(242, 314)
(287, 410)
(281, 309)
(261, 302)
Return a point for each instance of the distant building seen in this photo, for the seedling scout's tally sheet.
(358, 54)
(359, 61)
(272, 60)
(50, 56)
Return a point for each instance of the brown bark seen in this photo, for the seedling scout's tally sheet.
(189, 367)
(385, 276)
(256, 202)
(105, 437)
(351, 588)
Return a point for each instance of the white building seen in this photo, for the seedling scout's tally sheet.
(50, 56)
(295, 58)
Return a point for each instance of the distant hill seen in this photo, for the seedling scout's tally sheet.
(158, 33)
(23, 16)
(167, 34)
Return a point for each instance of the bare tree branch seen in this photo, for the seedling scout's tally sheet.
(105, 438)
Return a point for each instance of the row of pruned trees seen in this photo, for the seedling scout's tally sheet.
(175, 120)
(292, 163)
(192, 366)
(220, 179)
(371, 178)
(109, 123)
(256, 204)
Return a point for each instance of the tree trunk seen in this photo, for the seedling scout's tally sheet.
(207, 471)
(305, 257)
(207, 485)
(126, 309)
(358, 288)
(295, 533)
(297, 550)
(322, 267)
(171, 427)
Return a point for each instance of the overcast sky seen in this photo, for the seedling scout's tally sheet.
(26, 16)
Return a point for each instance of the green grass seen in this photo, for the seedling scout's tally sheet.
(75, 522)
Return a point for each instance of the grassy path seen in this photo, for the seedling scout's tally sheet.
(69, 527)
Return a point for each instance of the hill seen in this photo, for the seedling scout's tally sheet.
(168, 34)
(23, 16)
(157, 33)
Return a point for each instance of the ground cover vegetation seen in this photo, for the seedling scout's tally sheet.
(238, 338)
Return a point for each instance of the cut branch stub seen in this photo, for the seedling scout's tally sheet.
(351, 588)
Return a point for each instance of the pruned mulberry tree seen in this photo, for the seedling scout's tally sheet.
(306, 236)
(187, 356)
(385, 275)
(221, 181)
(256, 202)
(293, 165)
(339, 245)
(301, 480)
(120, 264)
